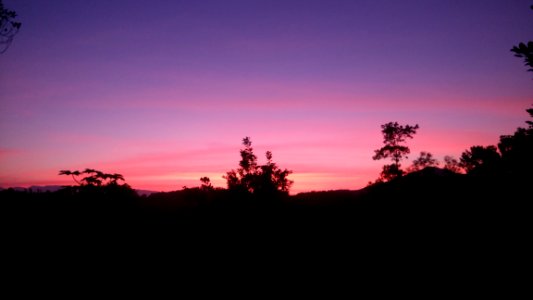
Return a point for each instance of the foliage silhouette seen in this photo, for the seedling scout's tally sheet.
(481, 160)
(272, 179)
(452, 164)
(424, 160)
(206, 184)
(525, 51)
(517, 151)
(243, 178)
(394, 135)
(98, 184)
(250, 178)
(530, 122)
(429, 196)
(72, 173)
(94, 177)
(8, 27)
(431, 202)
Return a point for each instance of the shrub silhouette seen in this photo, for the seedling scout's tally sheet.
(206, 184)
(251, 178)
(272, 179)
(424, 160)
(452, 164)
(394, 135)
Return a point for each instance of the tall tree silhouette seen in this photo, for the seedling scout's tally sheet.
(394, 137)
(8, 27)
(264, 180)
(244, 177)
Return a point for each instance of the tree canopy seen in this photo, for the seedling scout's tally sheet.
(394, 137)
(425, 159)
(93, 177)
(452, 164)
(262, 180)
(525, 51)
(97, 185)
(8, 27)
(480, 159)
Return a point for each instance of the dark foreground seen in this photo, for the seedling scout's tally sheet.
(428, 203)
(423, 225)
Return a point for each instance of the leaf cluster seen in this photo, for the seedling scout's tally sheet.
(252, 178)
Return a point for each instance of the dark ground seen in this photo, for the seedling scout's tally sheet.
(442, 231)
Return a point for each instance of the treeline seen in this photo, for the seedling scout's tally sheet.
(512, 157)
(249, 180)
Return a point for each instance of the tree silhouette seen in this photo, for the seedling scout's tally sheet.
(8, 27)
(525, 51)
(272, 179)
(394, 135)
(530, 123)
(480, 160)
(389, 172)
(97, 185)
(248, 165)
(424, 160)
(264, 180)
(71, 173)
(94, 177)
(206, 184)
(517, 151)
(452, 164)
(114, 178)
(514, 160)
(244, 176)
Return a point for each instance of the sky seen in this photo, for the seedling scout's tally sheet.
(163, 92)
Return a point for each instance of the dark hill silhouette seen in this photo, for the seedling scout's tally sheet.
(432, 195)
(494, 192)
(432, 215)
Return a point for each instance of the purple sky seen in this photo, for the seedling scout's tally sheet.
(164, 91)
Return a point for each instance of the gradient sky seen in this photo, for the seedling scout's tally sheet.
(164, 91)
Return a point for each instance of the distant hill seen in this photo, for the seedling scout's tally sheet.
(427, 199)
(145, 192)
(55, 188)
(36, 188)
(429, 182)
(45, 188)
